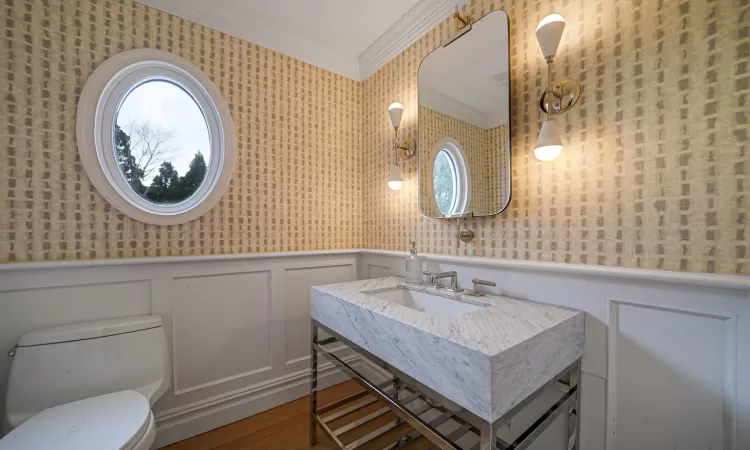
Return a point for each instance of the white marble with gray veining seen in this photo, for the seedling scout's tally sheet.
(486, 361)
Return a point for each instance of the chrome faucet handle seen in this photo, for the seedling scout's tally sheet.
(454, 280)
(432, 275)
(477, 282)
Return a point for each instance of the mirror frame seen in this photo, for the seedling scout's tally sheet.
(454, 38)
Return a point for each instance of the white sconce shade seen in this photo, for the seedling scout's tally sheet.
(549, 145)
(396, 110)
(548, 33)
(395, 181)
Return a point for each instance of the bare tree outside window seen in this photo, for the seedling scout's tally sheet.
(150, 145)
(161, 139)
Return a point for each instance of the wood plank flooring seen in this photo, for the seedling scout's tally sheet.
(287, 427)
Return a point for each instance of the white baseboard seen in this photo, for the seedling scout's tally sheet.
(196, 418)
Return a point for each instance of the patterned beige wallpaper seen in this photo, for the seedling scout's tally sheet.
(484, 149)
(655, 170)
(297, 183)
(654, 173)
(496, 165)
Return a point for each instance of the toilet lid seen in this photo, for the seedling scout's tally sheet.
(107, 422)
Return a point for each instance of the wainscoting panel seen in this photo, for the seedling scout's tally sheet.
(233, 311)
(686, 357)
(377, 265)
(296, 300)
(377, 271)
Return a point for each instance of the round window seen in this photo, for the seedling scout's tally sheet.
(162, 146)
(451, 185)
(444, 181)
(155, 137)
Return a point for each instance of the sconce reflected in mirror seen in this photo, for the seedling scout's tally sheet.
(559, 96)
(406, 150)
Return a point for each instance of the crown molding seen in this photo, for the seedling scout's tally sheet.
(420, 19)
(437, 101)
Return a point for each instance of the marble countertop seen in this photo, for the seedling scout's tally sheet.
(487, 360)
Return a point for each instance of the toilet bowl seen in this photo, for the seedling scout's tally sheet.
(118, 421)
(87, 386)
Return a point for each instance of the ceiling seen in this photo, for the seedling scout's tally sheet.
(332, 34)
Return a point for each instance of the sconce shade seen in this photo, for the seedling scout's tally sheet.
(396, 110)
(549, 145)
(548, 33)
(395, 181)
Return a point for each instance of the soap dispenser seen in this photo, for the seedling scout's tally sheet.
(413, 266)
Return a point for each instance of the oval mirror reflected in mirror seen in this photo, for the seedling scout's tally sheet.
(444, 178)
(451, 179)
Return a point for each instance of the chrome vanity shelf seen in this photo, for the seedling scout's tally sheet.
(411, 402)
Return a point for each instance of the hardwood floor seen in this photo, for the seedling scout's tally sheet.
(286, 427)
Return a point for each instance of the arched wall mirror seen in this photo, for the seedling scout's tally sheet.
(464, 123)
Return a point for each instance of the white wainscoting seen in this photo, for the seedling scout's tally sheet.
(238, 328)
(677, 373)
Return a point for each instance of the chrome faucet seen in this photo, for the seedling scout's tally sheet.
(454, 280)
(433, 282)
(477, 282)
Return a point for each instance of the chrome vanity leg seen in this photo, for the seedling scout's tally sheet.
(313, 384)
(574, 412)
(488, 437)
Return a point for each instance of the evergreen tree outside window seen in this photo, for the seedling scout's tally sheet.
(160, 140)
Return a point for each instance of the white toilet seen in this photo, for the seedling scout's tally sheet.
(87, 386)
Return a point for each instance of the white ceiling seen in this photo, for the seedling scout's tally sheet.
(332, 34)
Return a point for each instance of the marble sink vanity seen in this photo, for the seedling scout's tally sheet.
(486, 356)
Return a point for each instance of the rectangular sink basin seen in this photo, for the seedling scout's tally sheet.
(431, 304)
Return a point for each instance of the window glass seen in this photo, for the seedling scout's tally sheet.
(161, 142)
(445, 177)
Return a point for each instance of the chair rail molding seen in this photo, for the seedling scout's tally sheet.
(635, 274)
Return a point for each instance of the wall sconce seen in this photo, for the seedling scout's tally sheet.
(406, 150)
(559, 96)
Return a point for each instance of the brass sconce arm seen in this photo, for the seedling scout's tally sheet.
(407, 150)
(461, 21)
(560, 95)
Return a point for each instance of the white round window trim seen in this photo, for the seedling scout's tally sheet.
(462, 197)
(104, 92)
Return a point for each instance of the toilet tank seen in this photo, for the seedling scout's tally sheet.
(66, 363)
